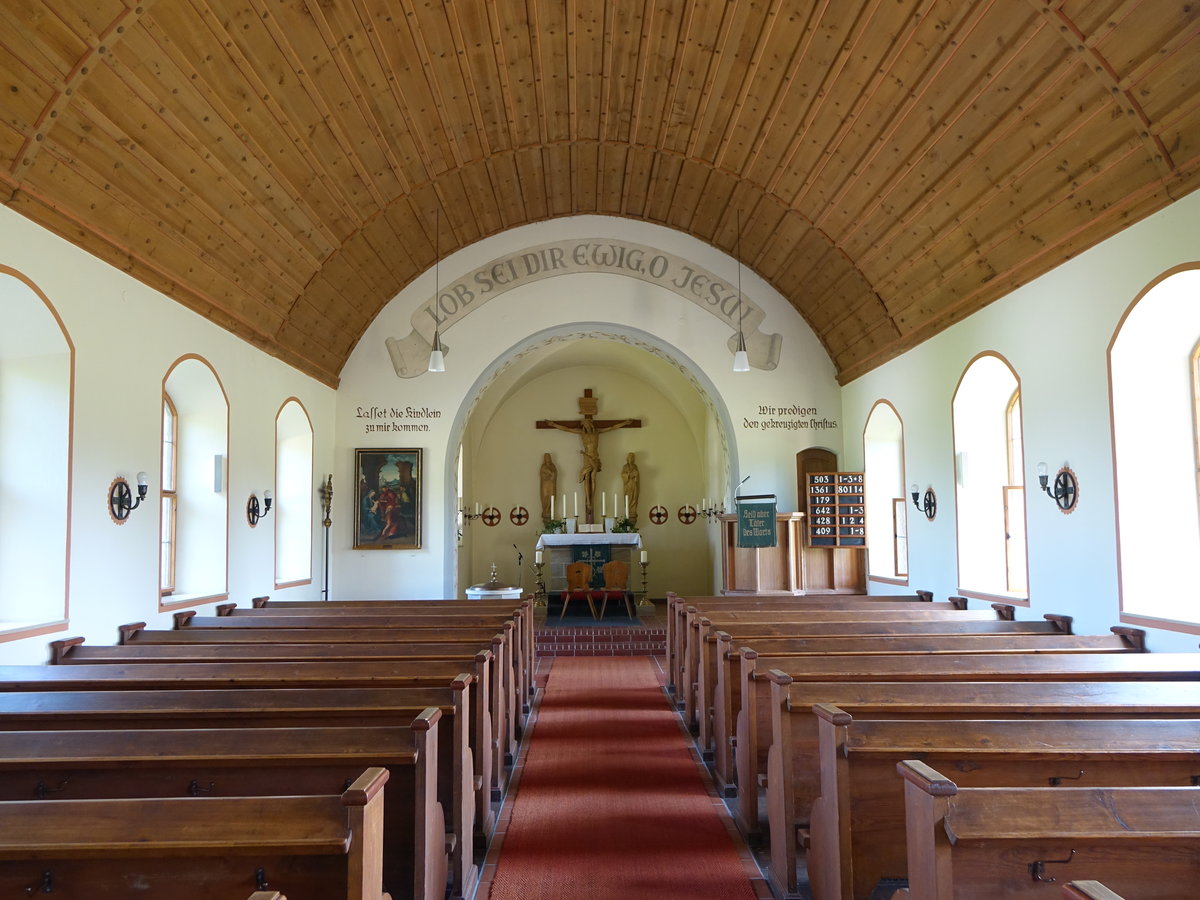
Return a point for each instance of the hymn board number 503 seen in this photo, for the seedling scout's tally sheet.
(837, 511)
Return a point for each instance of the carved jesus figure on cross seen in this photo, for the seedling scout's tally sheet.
(589, 429)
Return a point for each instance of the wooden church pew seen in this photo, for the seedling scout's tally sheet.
(677, 607)
(688, 618)
(1009, 842)
(390, 627)
(74, 651)
(718, 662)
(754, 719)
(323, 847)
(698, 627)
(793, 764)
(859, 814)
(522, 611)
(243, 762)
(467, 809)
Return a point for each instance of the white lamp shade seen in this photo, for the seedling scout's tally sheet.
(437, 360)
(741, 361)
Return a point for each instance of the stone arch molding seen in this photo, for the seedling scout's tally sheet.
(452, 303)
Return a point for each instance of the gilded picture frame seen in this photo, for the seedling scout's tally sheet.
(387, 499)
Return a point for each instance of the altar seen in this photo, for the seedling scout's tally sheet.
(559, 550)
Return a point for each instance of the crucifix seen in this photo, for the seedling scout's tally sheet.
(589, 429)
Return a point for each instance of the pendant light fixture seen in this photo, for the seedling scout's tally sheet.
(437, 359)
(741, 359)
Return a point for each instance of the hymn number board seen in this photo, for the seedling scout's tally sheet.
(837, 510)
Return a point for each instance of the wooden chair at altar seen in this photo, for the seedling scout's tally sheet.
(616, 586)
(579, 584)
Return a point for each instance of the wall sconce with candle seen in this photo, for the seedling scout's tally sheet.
(927, 503)
(120, 497)
(1065, 491)
(254, 511)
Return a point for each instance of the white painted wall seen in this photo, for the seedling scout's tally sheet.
(1055, 333)
(126, 337)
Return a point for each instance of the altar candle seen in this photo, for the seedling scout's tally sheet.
(626, 505)
(564, 514)
(645, 557)
(537, 554)
(552, 506)
(577, 504)
(476, 509)
(603, 504)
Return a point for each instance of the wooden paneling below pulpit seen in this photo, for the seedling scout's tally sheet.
(790, 566)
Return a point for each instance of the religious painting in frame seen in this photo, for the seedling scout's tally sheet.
(387, 499)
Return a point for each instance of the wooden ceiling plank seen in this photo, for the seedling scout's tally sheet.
(660, 43)
(277, 176)
(551, 50)
(470, 30)
(145, 241)
(817, 87)
(610, 178)
(690, 186)
(349, 32)
(978, 48)
(556, 172)
(235, 91)
(127, 107)
(485, 204)
(246, 240)
(664, 178)
(756, 111)
(714, 209)
(1038, 178)
(430, 31)
(532, 183)
(585, 167)
(639, 172)
(700, 37)
(1102, 69)
(625, 39)
(505, 179)
(586, 38)
(294, 44)
(962, 270)
(46, 44)
(517, 72)
(1012, 141)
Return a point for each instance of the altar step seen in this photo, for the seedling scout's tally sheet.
(600, 641)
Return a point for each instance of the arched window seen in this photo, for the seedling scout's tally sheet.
(37, 365)
(195, 405)
(1153, 375)
(294, 488)
(989, 481)
(168, 479)
(887, 510)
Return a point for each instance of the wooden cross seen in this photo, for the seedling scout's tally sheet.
(588, 428)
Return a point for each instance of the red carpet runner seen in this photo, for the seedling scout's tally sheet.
(611, 804)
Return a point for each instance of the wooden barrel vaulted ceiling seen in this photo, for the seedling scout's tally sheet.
(898, 164)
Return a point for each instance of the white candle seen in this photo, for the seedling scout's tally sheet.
(645, 557)
(476, 509)
(577, 504)
(552, 506)
(537, 554)
(626, 506)
(603, 504)
(564, 511)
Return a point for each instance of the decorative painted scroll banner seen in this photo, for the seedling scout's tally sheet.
(410, 354)
(756, 520)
